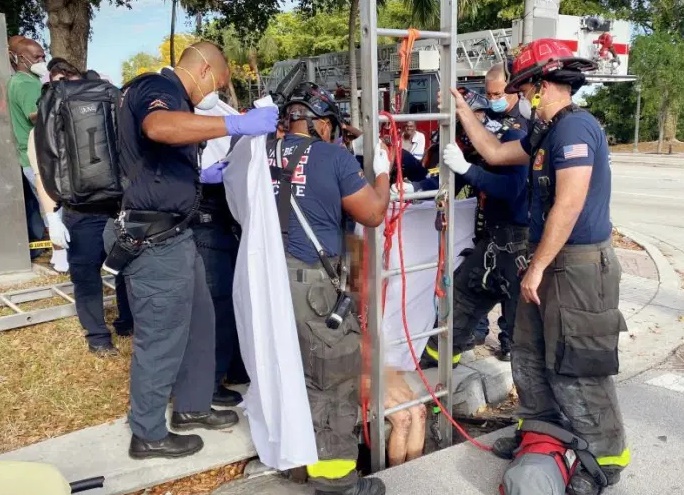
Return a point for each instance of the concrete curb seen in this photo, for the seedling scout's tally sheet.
(649, 159)
(667, 276)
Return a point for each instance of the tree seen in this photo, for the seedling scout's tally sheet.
(23, 17)
(659, 65)
(69, 24)
(139, 64)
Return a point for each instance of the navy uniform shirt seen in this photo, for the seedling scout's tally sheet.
(159, 177)
(325, 175)
(575, 141)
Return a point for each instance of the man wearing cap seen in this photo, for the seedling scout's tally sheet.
(565, 349)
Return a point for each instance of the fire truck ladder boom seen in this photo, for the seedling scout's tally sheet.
(371, 129)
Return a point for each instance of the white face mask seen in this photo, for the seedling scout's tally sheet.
(39, 69)
(525, 108)
(208, 102)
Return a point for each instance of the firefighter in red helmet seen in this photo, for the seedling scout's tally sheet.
(565, 349)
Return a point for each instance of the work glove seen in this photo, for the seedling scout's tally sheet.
(408, 188)
(454, 159)
(59, 235)
(256, 122)
(213, 174)
(381, 162)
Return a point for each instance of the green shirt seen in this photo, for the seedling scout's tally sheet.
(23, 92)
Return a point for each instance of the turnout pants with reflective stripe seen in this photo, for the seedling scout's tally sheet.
(566, 350)
(332, 364)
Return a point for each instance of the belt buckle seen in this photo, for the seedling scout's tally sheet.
(204, 217)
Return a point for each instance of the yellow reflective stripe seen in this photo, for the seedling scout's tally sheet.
(333, 469)
(615, 460)
(520, 423)
(435, 355)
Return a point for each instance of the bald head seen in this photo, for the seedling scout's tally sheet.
(495, 89)
(12, 44)
(29, 54)
(203, 70)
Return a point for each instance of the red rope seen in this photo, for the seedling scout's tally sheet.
(394, 224)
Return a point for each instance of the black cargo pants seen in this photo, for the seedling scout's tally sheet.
(471, 302)
(566, 350)
(332, 369)
(173, 343)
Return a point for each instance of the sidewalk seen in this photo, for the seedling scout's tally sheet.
(650, 299)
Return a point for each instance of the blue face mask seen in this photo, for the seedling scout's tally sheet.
(500, 105)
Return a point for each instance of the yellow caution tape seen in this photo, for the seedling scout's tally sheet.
(40, 245)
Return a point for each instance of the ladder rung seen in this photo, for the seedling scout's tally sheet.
(415, 195)
(409, 269)
(422, 335)
(415, 117)
(415, 402)
(63, 295)
(403, 33)
(10, 304)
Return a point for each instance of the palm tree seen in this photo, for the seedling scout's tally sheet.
(174, 8)
(426, 12)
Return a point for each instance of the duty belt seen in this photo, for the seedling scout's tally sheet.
(156, 221)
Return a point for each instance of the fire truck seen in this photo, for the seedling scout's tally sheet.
(602, 40)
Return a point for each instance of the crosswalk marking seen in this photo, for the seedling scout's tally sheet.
(669, 381)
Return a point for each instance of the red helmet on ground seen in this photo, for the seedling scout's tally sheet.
(551, 60)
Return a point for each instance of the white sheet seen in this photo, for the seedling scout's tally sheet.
(216, 148)
(420, 247)
(276, 403)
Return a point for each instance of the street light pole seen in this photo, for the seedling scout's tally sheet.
(528, 22)
(637, 118)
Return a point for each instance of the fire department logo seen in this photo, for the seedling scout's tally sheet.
(539, 160)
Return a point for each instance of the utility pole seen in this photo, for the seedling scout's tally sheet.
(637, 117)
(528, 21)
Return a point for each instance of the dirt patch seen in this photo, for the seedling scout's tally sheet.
(624, 242)
(676, 360)
(648, 147)
(50, 385)
(199, 484)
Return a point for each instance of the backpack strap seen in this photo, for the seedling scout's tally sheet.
(286, 173)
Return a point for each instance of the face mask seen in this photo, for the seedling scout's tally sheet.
(208, 102)
(500, 105)
(39, 68)
(525, 108)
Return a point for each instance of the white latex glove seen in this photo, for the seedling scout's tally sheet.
(454, 159)
(59, 235)
(381, 163)
(408, 188)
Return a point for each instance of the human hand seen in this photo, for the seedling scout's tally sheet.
(530, 284)
(256, 122)
(408, 188)
(454, 159)
(459, 95)
(213, 174)
(381, 161)
(59, 235)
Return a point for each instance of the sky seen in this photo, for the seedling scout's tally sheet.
(120, 33)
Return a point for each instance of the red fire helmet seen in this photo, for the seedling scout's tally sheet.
(540, 59)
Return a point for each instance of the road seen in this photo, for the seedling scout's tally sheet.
(650, 200)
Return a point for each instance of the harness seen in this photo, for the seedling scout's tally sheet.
(537, 137)
(566, 448)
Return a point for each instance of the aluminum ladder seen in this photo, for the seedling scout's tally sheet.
(371, 129)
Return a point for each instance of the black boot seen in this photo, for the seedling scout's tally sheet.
(213, 420)
(505, 446)
(226, 397)
(365, 486)
(582, 483)
(172, 446)
(504, 353)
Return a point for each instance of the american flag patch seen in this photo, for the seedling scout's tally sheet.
(575, 151)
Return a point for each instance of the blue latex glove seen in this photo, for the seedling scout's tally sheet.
(254, 123)
(213, 174)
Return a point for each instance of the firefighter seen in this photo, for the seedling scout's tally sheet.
(325, 181)
(489, 273)
(565, 350)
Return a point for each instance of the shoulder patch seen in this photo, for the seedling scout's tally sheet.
(539, 160)
(158, 104)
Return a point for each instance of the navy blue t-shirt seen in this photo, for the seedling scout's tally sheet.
(159, 177)
(505, 188)
(324, 175)
(575, 141)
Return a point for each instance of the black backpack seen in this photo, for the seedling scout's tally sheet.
(77, 144)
